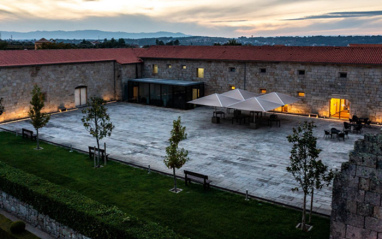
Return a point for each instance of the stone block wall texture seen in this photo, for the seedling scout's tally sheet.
(102, 79)
(36, 219)
(357, 193)
(321, 82)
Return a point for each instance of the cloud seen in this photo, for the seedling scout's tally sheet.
(341, 15)
(229, 21)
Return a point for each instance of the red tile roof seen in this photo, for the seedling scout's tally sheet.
(46, 57)
(343, 55)
(340, 55)
(365, 45)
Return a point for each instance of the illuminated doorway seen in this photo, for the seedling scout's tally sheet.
(339, 108)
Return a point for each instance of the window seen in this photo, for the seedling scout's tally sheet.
(184, 67)
(301, 94)
(301, 72)
(263, 91)
(200, 72)
(155, 69)
(232, 69)
(263, 70)
(169, 66)
(343, 74)
(232, 87)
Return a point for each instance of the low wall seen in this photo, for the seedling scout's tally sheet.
(357, 193)
(36, 219)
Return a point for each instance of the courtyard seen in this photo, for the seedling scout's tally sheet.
(234, 156)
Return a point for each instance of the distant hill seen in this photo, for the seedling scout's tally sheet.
(85, 34)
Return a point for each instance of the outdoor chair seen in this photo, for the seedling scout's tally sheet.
(358, 128)
(341, 135)
(334, 131)
(346, 132)
(327, 134)
(355, 119)
(347, 126)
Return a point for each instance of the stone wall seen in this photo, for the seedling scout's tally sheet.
(362, 86)
(357, 193)
(102, 79)
(36, 219)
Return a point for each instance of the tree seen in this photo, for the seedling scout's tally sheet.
(97, 121)
(38, 119)
(232, 42)
(302, 161)
(1, 106)
(175, 157)
(322, 176)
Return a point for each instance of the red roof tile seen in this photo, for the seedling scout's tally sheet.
(343, 55)
(46, 57)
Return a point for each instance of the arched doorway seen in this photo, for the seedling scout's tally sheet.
(80, 96)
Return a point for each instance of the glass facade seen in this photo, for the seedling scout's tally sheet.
(165, 93)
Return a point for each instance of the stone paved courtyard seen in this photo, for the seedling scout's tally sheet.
(232, 155)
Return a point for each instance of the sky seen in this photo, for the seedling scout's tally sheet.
(197, 17)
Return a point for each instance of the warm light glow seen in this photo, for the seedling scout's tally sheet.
(184, 67)
(301, 94)
(263, 91)
(200, 72)
(232, 87)
(155, 69)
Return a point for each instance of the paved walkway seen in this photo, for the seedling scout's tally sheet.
(234, 156)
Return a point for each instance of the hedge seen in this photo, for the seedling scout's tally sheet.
(76, 211)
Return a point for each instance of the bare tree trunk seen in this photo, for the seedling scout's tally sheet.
(311, 206)
(99, 153)
(38, 143)
(303, 214)
(174, 179)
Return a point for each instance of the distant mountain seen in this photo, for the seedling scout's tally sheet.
(85, 34)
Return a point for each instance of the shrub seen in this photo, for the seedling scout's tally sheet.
(76, 211)
(17, 227)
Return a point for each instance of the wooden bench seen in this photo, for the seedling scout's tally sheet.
(28, 134)
(102, 152)
(196, 177)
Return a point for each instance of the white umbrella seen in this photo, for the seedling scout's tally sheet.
(279, 98)
(240, 94)
(215, 100)
(256, 104)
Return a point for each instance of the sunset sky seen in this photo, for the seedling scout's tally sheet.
(197, 17)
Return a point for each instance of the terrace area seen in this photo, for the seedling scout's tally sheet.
(234, 156)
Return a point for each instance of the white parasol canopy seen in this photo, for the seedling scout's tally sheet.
(240, 94)
(215, 100)
(256, 104)
(279, 98)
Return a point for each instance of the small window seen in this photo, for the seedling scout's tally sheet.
(263, 91)
(301, 94)
(184, 67)
(301, 72)
(169, 66)
(263, 70)
(343, 74)
(200, 72)
(232, 87)
(232, 69)
(155, 69)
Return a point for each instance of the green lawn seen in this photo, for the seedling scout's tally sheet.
(193, 213)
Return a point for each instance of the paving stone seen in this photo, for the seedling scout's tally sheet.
(233, 156)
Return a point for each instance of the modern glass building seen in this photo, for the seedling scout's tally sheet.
(166, 93)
